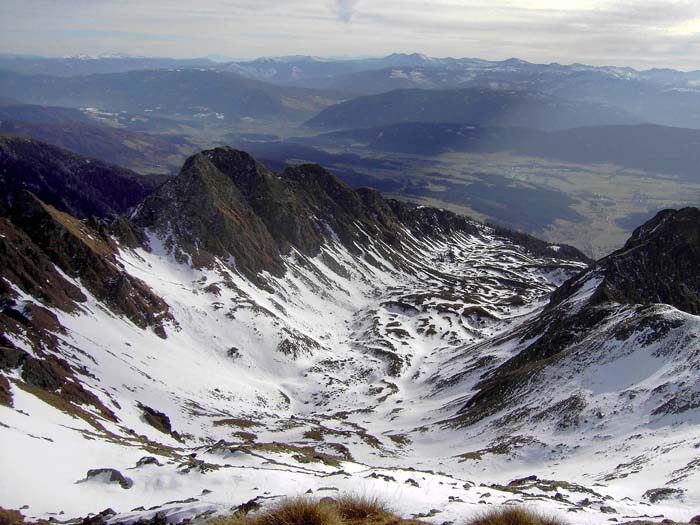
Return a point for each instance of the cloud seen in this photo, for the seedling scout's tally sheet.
(345, 9)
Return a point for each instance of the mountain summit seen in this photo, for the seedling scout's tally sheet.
(658, 264)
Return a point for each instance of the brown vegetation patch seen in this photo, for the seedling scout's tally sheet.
(10, 517)
(361, 509)
(327, 511)
(246, 436)
(236, 422)
(400, 439)
(301, 454)
(315, 435)
(499, 448)
(5, 392)
(514, 516)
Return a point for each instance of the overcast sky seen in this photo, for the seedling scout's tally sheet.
(639, 33)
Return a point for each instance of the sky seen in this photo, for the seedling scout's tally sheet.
(637, 33)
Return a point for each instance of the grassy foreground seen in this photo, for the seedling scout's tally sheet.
(329, 511)
(366, 511)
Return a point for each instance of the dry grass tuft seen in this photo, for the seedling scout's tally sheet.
(328, 511)
(515, 516)
(297, 511)
(361, 509)
(11, 517)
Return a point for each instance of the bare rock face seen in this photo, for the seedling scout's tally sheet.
(81, 251)
(202, 215)
(662, 494)
(5, 392)
(22, 262)
(658, 264)
(109, 475)
(156, 419)
(99, 519)
(45, 375)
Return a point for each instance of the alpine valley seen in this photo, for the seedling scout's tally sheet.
(180, 347)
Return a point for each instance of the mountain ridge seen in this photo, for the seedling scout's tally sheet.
(294, 210)
(472, 106)
(172, 92)
(633, 290)
(74, 184)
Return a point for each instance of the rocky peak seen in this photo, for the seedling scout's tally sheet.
(658, 264)
(225, 204)
(278, 200)
(201, 214)
(683, 223)
(295, 205)
(246, 173)
(316, 180)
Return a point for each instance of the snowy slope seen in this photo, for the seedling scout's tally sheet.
(349, 371)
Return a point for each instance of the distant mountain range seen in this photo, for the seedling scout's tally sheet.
(661, 96)
(474, 106)
(184, 93)
(418, 70)
(318, 72)
(92, 65)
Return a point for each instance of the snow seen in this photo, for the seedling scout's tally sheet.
(375, 381)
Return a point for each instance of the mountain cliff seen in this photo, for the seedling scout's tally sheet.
(657, 265)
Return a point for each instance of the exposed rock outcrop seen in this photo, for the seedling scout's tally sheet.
(90, 256)
(224, 204)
